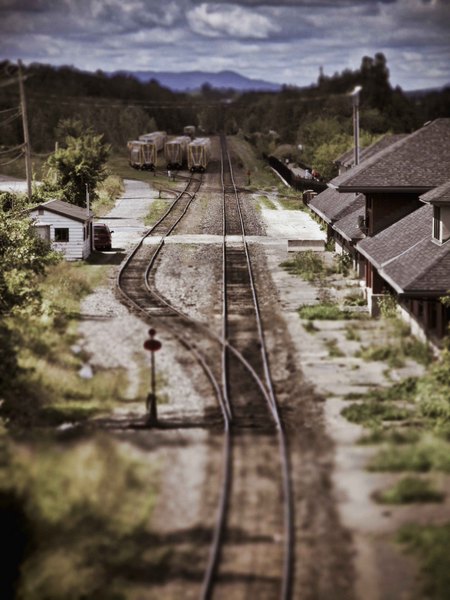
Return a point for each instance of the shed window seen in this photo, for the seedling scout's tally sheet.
(437, 223)
(61, 234)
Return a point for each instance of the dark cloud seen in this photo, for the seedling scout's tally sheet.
(282, 40)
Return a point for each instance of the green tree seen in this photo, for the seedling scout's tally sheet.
(23, 260)
(81, 162)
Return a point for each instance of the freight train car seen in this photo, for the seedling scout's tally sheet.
(143, 153)
(175, 152)
(199, 152)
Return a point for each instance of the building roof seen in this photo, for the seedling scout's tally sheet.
(440, 195)
(348, 158)
(417, 162)
(407, 257)
(66, 209)
(330, 205)
(348, 226)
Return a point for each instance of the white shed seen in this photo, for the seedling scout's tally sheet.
(66, 226)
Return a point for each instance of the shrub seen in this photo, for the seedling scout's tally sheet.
(408, 490)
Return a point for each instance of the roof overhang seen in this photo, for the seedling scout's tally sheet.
(375, 189)
(320, 213)
(88, 217)
(368, 256)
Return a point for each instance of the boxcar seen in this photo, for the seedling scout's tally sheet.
(199, 152)
(143, 153)
(175, 152)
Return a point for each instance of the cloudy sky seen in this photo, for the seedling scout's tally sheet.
(284, 41)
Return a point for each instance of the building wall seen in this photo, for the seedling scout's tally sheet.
(78, 247)
(383, 210)
(445, 223)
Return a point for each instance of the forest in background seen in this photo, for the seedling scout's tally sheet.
(121, 108)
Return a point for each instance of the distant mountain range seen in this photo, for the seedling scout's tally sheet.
(189, 81)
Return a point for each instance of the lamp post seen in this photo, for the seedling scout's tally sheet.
(355, 97)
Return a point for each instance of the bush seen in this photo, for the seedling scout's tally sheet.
(308, 265)
(409, 490)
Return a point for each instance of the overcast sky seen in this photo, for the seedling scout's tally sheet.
(284, 41)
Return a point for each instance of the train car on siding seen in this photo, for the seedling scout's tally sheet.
(199, 153)
(143, 153)
(175, 152)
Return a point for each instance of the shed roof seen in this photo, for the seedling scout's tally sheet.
(66, 209)
(419, 161)
(407, 257)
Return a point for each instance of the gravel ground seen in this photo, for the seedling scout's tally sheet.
(342, 537)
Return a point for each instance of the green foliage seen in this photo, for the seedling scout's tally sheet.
(326, 311)
(409, 490)
(428, 454)
(431, 544)
(86, 506)
(388, 306)
(309, 265)
(371, 413)
(433, 390)
(80, 163)
(343, 263)
(333, 349)
(24, 258)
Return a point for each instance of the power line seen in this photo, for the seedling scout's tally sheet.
(13, 149)
(3, 164)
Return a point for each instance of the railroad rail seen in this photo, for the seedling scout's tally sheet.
(243, 388)
(254, 418)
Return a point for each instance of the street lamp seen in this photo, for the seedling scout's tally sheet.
(355, 96)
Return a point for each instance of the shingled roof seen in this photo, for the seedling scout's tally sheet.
(348, 225)
(440, 195)
(330, 205)
(66, 209)
(407, 258)
(348, 158)
(418, 162)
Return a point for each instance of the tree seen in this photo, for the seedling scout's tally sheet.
(81, 162)
(23, 260)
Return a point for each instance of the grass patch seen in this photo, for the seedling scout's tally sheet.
(428, 454)
(410, 490)
(157, 209)
(49, 387)
(292, 204)
(431, 545)
(308, 265)
(388, 435)
(85, 507)
(333, 349)
(370, 413)
(352, 334)
(310, 327)
(266, 202)
(326, 312)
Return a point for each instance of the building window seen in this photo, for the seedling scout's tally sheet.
(40, 211)
(437, 223)
(61, 234)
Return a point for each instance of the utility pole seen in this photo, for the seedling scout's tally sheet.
(26, 136)
(355, 97)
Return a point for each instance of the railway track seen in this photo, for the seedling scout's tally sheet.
(251, 549)
(255, 520)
